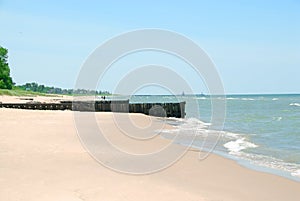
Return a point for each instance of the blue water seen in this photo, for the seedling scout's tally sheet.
(260, 131)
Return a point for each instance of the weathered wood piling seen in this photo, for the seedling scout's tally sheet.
(37, 106)
(159, 109)
(153, 109)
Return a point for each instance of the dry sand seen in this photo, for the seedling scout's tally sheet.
(28, 99)
(41, 158)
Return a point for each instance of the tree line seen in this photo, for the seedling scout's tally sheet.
(6, 81)
(56, 90)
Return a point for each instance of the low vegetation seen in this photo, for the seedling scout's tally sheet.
(7, 87)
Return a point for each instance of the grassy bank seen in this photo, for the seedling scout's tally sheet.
(19, 92)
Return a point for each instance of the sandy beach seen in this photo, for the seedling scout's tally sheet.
(150, 100)
(42, 158)
(40, 99)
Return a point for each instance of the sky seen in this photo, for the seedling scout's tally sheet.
(255, 45)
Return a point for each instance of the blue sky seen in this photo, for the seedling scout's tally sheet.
(254, 44)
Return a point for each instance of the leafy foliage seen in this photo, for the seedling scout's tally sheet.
(5, 79)
(55, 90)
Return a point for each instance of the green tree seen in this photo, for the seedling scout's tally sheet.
(5, 79)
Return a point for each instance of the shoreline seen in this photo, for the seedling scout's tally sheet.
(260, 168)
(241, 161)
(43, 159)
(246, 162)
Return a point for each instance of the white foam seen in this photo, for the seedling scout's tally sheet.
(206, 124)
(231, 135)
(248, 99)
(296, 173)
(295, 104)
(274, 99)
(277, 118)
(194, 122)
(200, 98)
(236, 146)
(190, 125)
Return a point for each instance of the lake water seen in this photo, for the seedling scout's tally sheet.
(260, 131)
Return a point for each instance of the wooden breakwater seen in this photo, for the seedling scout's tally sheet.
(154, 109)
(159, 109)
(37, 106)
